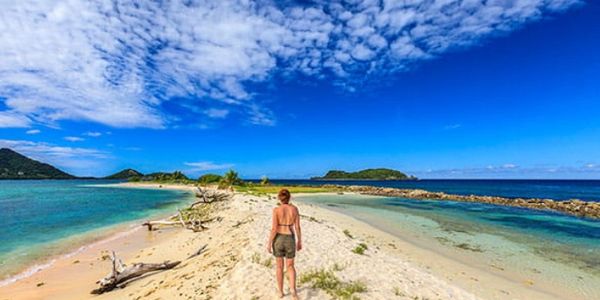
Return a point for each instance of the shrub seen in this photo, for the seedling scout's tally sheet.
(209, 178)
(328, 282)
(265, 180)
(360, 249)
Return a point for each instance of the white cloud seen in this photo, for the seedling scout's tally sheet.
(13, 119)
(216, 113)
(73, 139)
(119, 62)
(206, 166)
(72, 159)
(513, 171)
(452, 126)
(33, 131)
(93, 133)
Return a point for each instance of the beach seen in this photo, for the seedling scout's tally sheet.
(236, 265)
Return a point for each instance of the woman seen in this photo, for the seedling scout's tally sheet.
(285, 229)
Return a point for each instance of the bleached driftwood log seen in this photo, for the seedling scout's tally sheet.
(209, 196)
(121, 273)
(195, 225)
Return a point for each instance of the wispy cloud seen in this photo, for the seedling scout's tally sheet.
(206, 166)
(216, 113)
(452, 126)
(33, 131)
(73, 139)
(510, 170)
(75, 159)
(120, 62)
(93, 133)
(12, 118)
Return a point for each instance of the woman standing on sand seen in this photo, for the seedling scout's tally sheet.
(285, 229)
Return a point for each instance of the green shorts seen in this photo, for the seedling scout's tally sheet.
(284, 245)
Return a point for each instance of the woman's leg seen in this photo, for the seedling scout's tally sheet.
(291, 270)
(279, 275)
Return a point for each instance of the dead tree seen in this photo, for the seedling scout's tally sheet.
(121, 273)
(209, 196)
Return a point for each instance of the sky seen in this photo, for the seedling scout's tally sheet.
(291, 89)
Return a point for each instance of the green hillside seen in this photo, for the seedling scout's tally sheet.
(125, 174)
(367, 174)
(16, 166)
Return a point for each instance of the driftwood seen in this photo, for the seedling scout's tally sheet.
(121, 273)
(195, 225)
(200, 251)
(209, 196)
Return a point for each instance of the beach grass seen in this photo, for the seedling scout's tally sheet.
(274, 189)
(327, 281)
(360, 249)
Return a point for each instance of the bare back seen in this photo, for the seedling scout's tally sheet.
(286, 215)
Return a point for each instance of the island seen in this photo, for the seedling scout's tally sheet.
(367, 174)
(14, 165)
(125, 174)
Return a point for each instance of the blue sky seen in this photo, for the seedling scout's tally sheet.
(444, 89)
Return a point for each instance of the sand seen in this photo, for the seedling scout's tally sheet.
(236, 264)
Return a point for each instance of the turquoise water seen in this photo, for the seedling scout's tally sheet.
(560, 250)
(34, 215)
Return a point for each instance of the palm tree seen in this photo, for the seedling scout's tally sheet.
(231, 178)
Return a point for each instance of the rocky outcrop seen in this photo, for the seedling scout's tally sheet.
(589, 209)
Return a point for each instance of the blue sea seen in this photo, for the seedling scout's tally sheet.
(557, 252)
(534, 188)
(39, 217)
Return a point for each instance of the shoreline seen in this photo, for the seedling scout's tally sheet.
(72, 245)
(392, 263)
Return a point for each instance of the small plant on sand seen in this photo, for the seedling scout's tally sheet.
(398, 292)
(268, 262)
(347, 233)
(328, 282)
(337, 267)
(257, 260)
(360, 249)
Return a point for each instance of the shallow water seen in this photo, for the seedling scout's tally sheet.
(44, 218)
(553, 248)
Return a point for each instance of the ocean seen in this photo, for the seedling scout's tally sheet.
(537, 248)
(534, 188)
(43, 218)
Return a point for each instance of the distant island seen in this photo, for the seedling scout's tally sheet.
(367, 174)
(125, 174)
(17, 166)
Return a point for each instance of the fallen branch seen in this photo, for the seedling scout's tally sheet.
(121, 273)
(209, 196)
(194, 223)
(198, 252)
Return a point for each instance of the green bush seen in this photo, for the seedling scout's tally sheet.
(328, 282)
(209, 178)
(360, 249)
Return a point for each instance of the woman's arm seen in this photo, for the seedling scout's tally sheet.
(298, 230)
(273, 232)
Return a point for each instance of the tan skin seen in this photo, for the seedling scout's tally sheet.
(286, 214)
